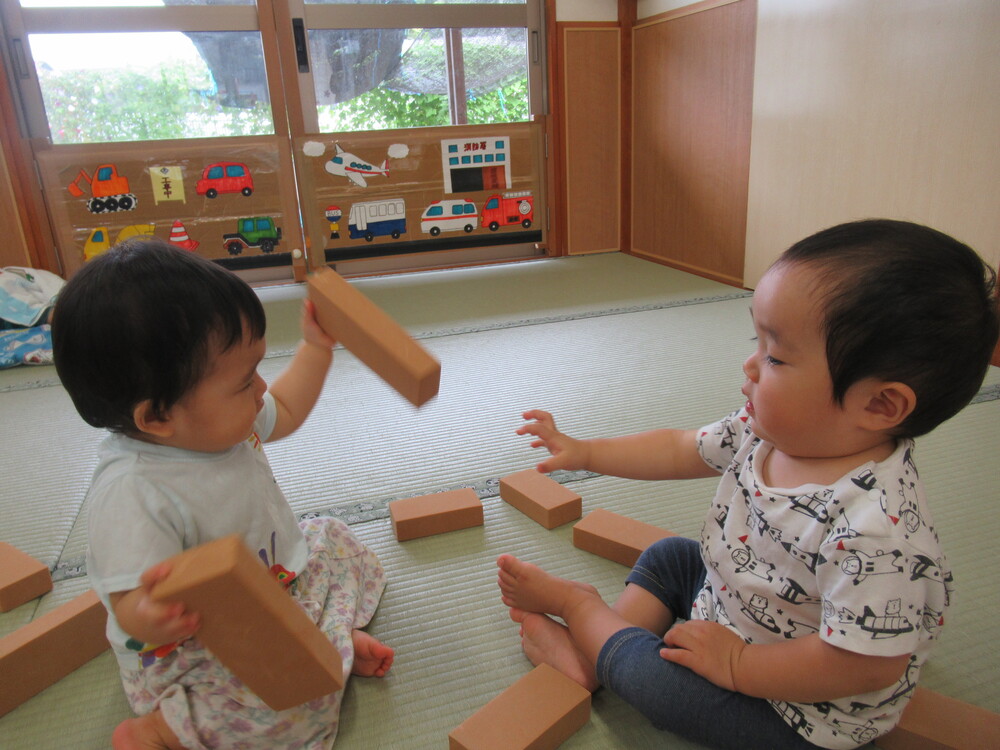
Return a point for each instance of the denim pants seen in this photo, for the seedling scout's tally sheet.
(673, 697)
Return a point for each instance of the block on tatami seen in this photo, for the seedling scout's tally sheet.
(252, 625)
(932, 721)
(426, 515)
(538, 712)
(49, 647)
(373, 337)
(541, 498)
(22, 578)
(616, 537)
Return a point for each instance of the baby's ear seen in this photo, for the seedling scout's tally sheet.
(889, 404)
(148, 422)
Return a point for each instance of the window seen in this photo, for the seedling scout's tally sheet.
(167, 70)
(248, 90)
(388, 65)
(189, 69)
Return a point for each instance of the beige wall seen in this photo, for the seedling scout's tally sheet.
(862, 108)
(586, 10)
(647, 8)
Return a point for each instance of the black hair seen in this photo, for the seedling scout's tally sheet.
(140, 322)
(903, 302)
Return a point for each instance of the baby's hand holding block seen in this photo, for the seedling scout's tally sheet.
(538, 712)
(415, 517)
(541, 498)
(616, 537)
(252, 625)
(373, 337)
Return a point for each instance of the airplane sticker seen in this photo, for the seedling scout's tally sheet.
(353, 167)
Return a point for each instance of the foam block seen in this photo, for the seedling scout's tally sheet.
(541, 498)
(373, 337)
(932, 721)
(538, 712)
(252, 625)
(48, 648)
(22, 578)
(616, 537)
(426, 515)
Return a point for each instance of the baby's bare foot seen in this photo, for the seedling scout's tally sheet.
(372, 658)
(528, 587)
(149, 732)
(546, 641)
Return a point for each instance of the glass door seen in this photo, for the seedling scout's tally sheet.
(222, 125)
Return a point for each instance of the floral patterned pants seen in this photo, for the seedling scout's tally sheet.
(206, 706)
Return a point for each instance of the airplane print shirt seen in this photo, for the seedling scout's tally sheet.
(857, 561)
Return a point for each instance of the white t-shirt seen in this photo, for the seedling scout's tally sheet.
(857, 561)
(149, 502)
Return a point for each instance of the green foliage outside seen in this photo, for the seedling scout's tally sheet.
(384, 108)
(391, 106)
(94, 106)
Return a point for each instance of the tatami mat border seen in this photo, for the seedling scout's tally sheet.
(458, 330)
(355, 512)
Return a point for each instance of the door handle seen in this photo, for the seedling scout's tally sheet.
(301, 48)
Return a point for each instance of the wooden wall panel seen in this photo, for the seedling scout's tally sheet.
(27, 239)
(692, 108)
(591, 101)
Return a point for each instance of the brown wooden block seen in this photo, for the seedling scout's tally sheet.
(414, 517)
(22, 578)
(541, 498)
(376, 339)
(932, 721)
(538, 712)
(252, 625)
(48, 648)
(616, 537)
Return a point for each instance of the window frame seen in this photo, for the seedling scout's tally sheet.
(331, 16)
(274, 20)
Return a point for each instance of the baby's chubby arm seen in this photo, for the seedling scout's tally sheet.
(150, 621)
(803, 670)
(657, 454)
(296, 390)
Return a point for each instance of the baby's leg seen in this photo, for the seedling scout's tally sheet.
(372, 658)
(149, 732)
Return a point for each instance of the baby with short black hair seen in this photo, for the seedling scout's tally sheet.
(161, 347)
(819, 586)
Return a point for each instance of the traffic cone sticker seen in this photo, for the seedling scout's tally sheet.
(179, 237)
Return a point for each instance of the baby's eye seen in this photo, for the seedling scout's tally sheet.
(772, 361)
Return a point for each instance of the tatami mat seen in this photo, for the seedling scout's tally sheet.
(604, 363)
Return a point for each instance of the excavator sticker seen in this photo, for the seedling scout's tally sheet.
(109, 190)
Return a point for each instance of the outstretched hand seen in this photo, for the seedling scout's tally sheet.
(567, 453)
(707, 649)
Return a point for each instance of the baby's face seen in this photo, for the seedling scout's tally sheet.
(788, 387)
(220, 410)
